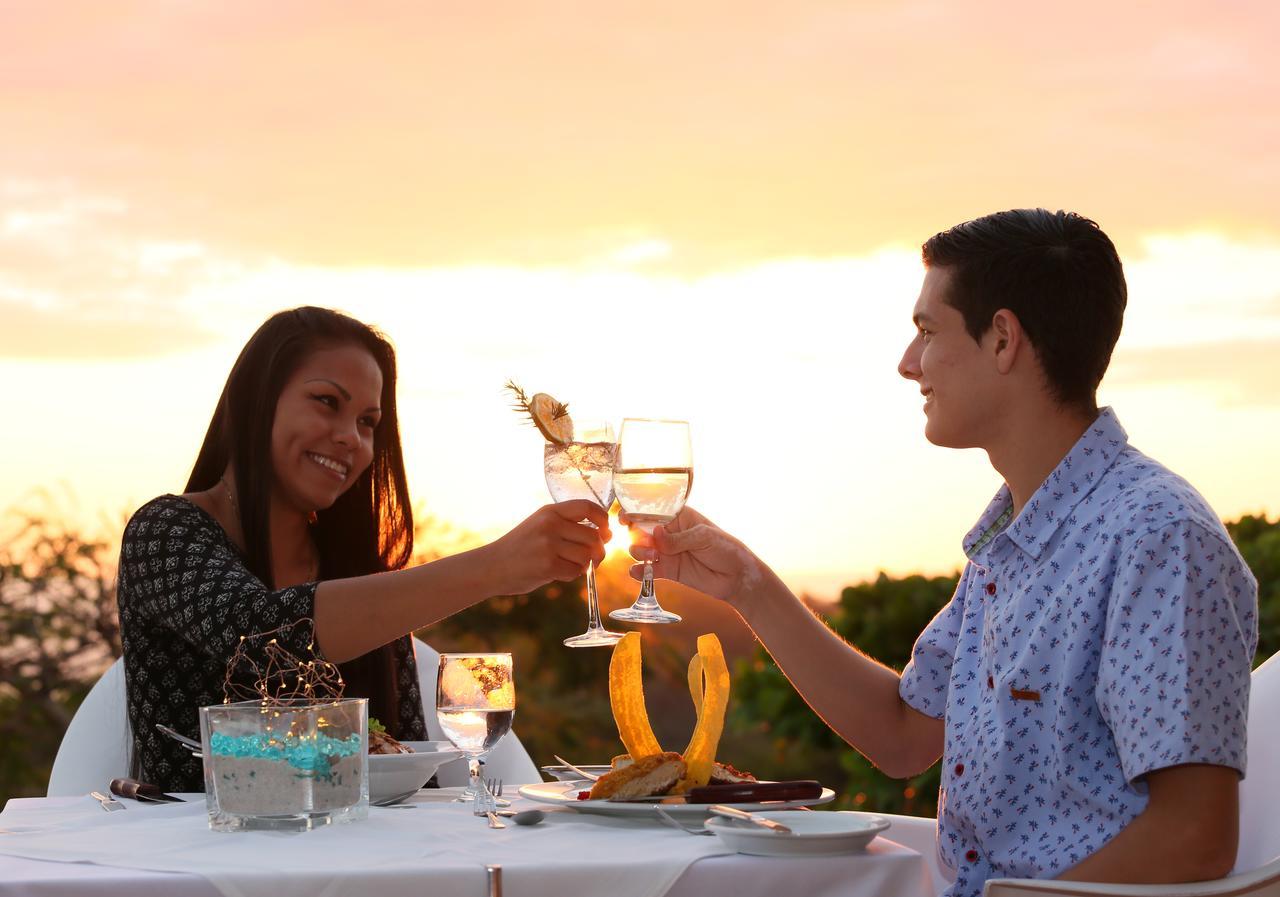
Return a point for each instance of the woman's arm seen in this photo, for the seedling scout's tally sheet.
(358, 614)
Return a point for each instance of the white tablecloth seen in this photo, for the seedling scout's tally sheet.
(47, 844)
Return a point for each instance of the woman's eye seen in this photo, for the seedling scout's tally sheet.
(326, 400)
(369, 422)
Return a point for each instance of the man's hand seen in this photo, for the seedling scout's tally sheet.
(1188, 832)
(693, 551)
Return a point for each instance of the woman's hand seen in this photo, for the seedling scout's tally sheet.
(693, 551)
(550, 544)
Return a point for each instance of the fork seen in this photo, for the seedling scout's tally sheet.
(485, 803)
(671, 820)
(495, 790)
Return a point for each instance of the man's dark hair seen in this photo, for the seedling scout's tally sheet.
(1058, 272)
(369, 529)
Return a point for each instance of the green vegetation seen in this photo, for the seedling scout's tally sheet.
(58, 631)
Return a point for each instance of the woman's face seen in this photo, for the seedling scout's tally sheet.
(322, 438)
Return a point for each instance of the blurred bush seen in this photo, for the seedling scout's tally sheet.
(59, 631)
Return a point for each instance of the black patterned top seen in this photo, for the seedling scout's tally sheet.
(186, 596)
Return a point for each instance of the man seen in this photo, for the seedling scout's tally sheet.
(1088, 683)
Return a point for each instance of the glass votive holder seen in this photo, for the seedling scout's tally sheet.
(285, 766)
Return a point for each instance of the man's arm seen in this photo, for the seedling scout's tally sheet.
(1188, 832)
(855, 695)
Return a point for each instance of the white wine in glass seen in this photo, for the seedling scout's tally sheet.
(652, 477)
(583, 468)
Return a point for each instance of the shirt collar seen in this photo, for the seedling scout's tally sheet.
(1053, 503)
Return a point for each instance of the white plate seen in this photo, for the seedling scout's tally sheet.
(392, 774)
(565, 794)
(813, 834)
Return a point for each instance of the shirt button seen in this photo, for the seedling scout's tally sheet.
(971, 856)
(991, 588)
(991, 683)
(959, 769)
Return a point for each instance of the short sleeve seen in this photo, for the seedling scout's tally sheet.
(180, 575)
(1181, 629)
(927, 676)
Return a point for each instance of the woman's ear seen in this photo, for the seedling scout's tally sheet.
(1007, 339)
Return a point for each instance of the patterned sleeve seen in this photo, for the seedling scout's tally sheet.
(1181, 629)
(927, 676)
(185, 578)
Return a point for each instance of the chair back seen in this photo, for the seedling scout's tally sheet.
(95, 747)
(508, 760)
(1260, 790)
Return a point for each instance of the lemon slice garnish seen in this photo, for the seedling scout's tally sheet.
(551, 418)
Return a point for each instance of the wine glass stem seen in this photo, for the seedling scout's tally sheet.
(593, 603)
(473, 765)
(647, 596)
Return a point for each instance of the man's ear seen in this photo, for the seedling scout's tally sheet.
(1007, 339)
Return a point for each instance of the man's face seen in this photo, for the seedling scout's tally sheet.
(957, 375)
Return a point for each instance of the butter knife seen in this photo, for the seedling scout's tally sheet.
(743, 816)
(107, 803)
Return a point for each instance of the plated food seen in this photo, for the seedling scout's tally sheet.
(382, 743)
(646, 770)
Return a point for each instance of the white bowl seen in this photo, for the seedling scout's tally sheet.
(394, 774)
(813, 834)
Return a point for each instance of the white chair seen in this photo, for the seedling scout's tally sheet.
(508, 761)
(95, 747)
(1257, 869)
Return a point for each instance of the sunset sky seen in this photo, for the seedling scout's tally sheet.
(705, 210)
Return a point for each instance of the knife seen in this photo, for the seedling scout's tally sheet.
(141, 791)
(743, 816)
(736, 793)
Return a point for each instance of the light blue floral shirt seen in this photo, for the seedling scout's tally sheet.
(1105, 632)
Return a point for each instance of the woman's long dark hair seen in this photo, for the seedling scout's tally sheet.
(369, 529)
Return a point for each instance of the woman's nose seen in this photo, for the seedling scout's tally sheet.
(346, 433)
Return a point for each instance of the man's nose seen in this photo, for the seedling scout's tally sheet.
(909, 365)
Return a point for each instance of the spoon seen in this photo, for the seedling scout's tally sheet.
(528, 817)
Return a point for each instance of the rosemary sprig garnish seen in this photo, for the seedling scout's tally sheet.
(520, 403)
(564, 445)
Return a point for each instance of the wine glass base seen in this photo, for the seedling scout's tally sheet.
(598, 638)
(644, 615)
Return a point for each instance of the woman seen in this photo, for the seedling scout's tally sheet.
(297, 512)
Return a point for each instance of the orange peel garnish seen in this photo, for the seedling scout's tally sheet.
(626, 696)
(714, 677)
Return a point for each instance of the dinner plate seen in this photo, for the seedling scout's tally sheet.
(812, 834)
(565, 794)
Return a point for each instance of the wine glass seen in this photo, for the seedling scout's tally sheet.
(653, 475)
(475, 701)
(583, 468)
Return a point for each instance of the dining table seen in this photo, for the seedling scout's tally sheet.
(430, 844)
